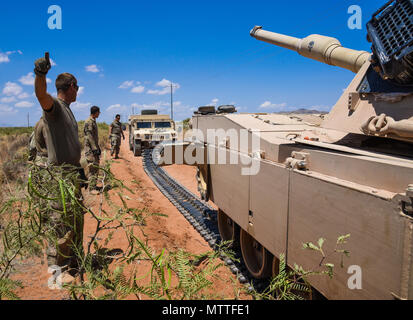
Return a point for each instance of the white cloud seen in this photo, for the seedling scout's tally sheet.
(127, 84)
(24, 104)
(4, 58)
(81, 91)
(8, 99)
(166, 85)
(163, 83)
(12, 89)
(27, 80)
(22, 96)
(138, 89)
(118, 108)
(79, 106)
(158, 105)
(52, 62)
(114, 106)
(92, 68)
(6, 110)
(214, 102)
(273, 106)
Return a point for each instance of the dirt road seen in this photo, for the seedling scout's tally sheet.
(171, 232)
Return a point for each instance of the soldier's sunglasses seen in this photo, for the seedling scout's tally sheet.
(75, 86)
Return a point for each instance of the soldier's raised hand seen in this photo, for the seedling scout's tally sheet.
(42, 65)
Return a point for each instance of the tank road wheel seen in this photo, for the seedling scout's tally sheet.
(256, 258)
(275, 266)
(228, 229)
(202, 179)
(307, 294)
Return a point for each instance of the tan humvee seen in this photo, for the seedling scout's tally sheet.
(149, 129)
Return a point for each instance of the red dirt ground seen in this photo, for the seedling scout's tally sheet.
(172, 232)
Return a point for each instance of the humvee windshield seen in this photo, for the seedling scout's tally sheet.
(162, 124)
(144, 125)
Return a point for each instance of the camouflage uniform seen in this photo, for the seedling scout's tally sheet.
(92, 150)
(38, 147)
(116, 134)
(67, 234)
(60, 136)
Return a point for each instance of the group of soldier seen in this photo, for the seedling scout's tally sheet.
(56, 143)
(92, 149)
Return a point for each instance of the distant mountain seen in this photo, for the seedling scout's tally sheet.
(303, 111)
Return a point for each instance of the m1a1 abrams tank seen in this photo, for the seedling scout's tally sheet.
(351, 175)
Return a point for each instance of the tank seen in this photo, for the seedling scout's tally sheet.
(350, 174)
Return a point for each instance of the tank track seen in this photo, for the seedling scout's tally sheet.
(200, 215)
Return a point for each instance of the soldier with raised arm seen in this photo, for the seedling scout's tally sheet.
(63, 149)
(92, 149)
(116, 133)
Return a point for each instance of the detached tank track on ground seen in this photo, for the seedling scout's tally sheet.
(199, 214)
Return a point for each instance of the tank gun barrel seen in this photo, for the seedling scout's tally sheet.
(321, 48)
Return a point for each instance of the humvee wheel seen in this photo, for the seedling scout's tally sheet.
(137, 151)
(256, 258)
(228, 229)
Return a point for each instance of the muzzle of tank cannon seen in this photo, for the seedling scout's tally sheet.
(321, 48)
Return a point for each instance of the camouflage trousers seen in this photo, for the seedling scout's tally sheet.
(65, 244)
(63, 220)
(93, 162)
(115, 142)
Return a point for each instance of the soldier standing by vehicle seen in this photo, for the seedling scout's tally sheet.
(92, 149)
(64, 151)
(116, 132)
(38, 147)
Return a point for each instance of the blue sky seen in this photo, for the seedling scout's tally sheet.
(124, 53)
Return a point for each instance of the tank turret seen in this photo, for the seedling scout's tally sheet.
(378, 101)
(321, 48)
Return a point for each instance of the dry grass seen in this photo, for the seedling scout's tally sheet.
(13, 152)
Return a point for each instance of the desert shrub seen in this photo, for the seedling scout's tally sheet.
(12, 157)
(186, 123)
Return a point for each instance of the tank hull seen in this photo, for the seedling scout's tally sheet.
(341, 191)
